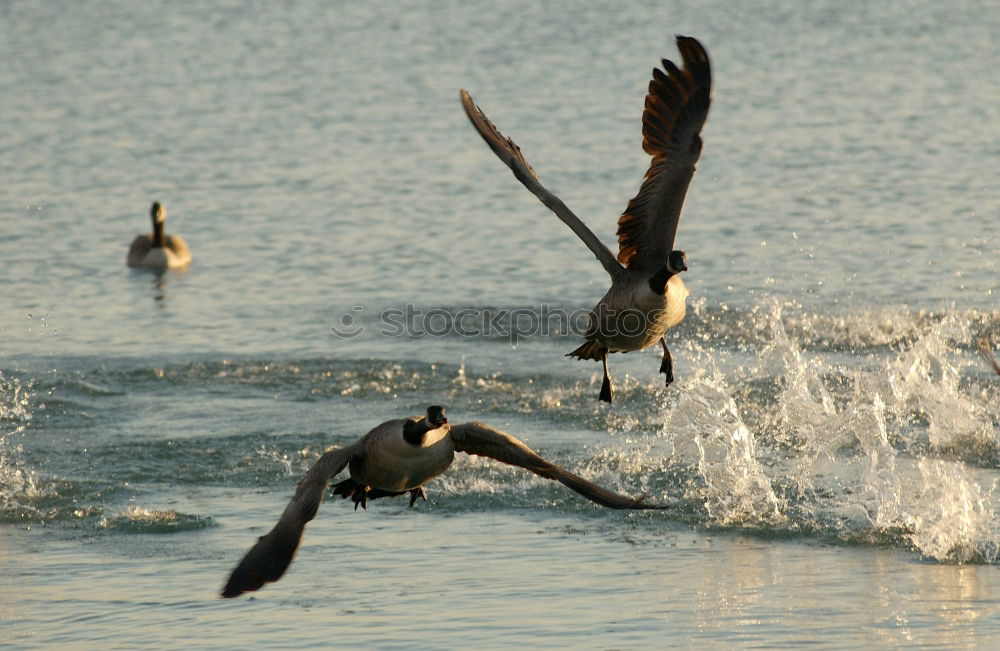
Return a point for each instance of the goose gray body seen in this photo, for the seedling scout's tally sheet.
(631, 316)
(647, 296)
(388, 462)
(396, 457)
(158, 250)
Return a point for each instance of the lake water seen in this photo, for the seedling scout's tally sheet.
(830, 450)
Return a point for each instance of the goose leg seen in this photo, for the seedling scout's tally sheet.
(415, 493)
(667, 365)
(352, 490)
(360, 497)
(607, 392)
(360, 494)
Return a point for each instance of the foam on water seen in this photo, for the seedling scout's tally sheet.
(954, 518)
(18, 484)
(883, 448)
(925, 381)
(734, 486)
(136, 519)
(280, 458)
(771, 433)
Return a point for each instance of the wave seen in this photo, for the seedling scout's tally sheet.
(875, 428)
(139, 520)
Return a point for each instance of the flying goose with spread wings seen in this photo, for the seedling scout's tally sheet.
(647, 296)
(157, 250)
(397, 457)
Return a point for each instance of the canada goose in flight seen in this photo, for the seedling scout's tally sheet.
(647, 296)
(986, 352)
(157, 250)
(396, 457)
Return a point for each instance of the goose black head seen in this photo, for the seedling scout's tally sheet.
(677, 262)
(435, 416)
(159, 217)
(414, 431)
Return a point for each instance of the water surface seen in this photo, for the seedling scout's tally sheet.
(829, 450)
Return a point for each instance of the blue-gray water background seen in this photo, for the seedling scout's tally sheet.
(830, 450)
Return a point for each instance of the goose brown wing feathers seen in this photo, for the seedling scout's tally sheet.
(508, 151)
(268, 559)
(482, 440)
(676, 107)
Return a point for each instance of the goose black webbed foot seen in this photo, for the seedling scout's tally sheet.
(667, 365)
(352, 490)
(360, 497)
(415, 493)
(667, 369)
(607, 392)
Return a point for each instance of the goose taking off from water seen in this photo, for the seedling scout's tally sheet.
(398, 456)
(647, 295)
(157, 250)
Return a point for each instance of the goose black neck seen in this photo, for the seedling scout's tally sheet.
(158, 232)
(415, 431)
(658, 281)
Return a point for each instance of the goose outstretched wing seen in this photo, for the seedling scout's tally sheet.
(510, 153)
(270, 557)
(676, 108)
(486, 441)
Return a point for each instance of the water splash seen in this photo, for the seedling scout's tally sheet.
(280, 458)
(735, 486)
(851, 447)
(136, 519)
(18, 484)
(925, 383)
(881, 492)
(956, 521)
(842, 460)
(804, 404)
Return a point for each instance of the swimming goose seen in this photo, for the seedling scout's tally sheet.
(396, 457)
(157, 250)
(647, 296)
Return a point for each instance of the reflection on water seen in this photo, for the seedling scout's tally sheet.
(159, 280)
(757, 590)
(159, 285)
(536, 577)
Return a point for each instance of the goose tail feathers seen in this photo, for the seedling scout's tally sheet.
(589, 350)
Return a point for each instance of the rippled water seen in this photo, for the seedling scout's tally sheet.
(830, 450)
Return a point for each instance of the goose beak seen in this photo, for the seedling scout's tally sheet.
(435, 416)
